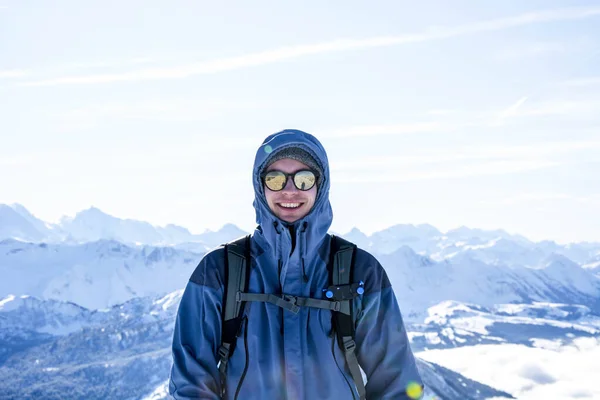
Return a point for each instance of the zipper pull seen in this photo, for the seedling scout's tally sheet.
(304, 276)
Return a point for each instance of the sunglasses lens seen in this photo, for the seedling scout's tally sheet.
(275, 180)
(305, 180)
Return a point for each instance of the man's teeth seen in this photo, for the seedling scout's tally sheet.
(290, 205)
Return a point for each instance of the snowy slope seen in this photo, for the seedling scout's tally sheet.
(419, 282)
(103, 273)
(91, 225)
(454, 324)
(94, 275)
(420, 238)
(488, 246)
(15, 223)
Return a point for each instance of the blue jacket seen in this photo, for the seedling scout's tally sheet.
(286, 355)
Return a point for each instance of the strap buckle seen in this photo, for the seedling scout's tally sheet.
(224, 351)
(289, 303)
(349, 345)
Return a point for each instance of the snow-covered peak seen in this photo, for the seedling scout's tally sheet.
(558, 262)
(15, 224)
(169, 301)
(464, 233)
(45, 316)
(228, 232)
(357, 236)
(94, 274)
(409, 232)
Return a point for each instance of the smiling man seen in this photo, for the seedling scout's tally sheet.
(291, 199)
(314, 309)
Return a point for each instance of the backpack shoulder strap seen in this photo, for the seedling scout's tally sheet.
(237, 268)
(342, 265)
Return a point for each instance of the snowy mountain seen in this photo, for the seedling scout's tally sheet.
(455, 324)
(465, 234)
(103, 273)
(91, 225)
(83, 307)
(421, 238)
(123, 352)
(16, 222)
(494, 246)
(420, 282)
(95, 274)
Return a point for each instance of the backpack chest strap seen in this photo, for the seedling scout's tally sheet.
(289, 302)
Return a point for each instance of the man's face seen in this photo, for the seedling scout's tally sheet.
(301, 201)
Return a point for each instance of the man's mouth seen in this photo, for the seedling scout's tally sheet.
(289, 206)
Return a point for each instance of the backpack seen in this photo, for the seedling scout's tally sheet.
(338, 295)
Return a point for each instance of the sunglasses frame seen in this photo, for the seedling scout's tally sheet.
(287, 176)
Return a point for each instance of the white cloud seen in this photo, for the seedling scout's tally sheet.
(588, 81)
(285, 53)
(446, 172)
(103, 64)
(12, 73)
(530, 49)
(538, 198)
(566, 372)
(17, 160)
(373, 130)
(179, 110)
(521, 153)
(512, 110)
(560, 107)
(441, 111)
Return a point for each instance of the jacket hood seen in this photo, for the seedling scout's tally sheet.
(317, 222)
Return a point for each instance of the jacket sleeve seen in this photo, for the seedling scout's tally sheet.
(197, 335)
(382, 344)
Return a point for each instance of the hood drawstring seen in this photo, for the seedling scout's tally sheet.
(277, 250)
(303, 249)
(279, 266)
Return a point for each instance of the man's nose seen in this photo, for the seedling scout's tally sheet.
(289, 186)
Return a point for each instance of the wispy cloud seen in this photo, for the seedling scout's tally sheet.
(560, 107)
(179, 110)
(12, 73)
(531, 49)
(285, 53)
(468, 153)
(510, 111)
(540, 197)
(376, 130)
(459, 162)
(17, 160)
(502, 167)
(588, 81)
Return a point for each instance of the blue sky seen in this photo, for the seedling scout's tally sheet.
(484, 114)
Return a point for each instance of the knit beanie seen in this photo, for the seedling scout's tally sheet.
(298, 154)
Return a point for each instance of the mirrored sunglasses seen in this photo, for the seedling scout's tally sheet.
(303, 180)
